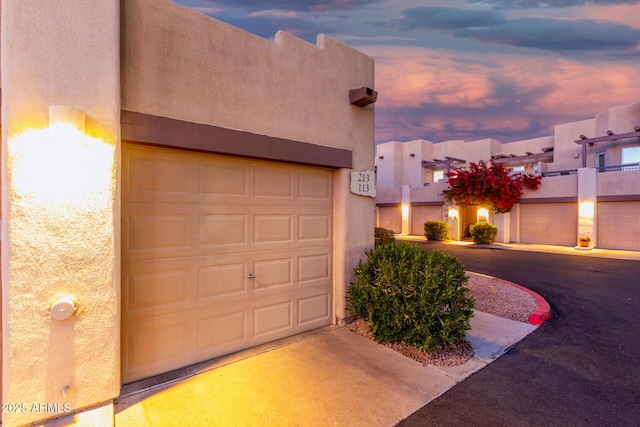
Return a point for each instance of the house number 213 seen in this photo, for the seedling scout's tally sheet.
(363, 183)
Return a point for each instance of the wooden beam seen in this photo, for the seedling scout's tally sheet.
(612, 137)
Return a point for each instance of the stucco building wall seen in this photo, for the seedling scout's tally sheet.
(163, 60)
(60, 216)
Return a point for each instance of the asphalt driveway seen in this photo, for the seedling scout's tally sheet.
(582, 367)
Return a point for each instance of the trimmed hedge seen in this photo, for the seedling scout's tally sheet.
(409, 295)
(436, 230)
(384, 236)
(483, 232)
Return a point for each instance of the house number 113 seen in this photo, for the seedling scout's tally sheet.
(363, 183)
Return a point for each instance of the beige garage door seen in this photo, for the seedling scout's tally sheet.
(422, 214)
(619, 225)
(549, 223)
(218, 255)
(390, 217)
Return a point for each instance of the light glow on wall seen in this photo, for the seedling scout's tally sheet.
(453, 213)
(405, 219)
(61, 167)
(586, 209)
(483, 214)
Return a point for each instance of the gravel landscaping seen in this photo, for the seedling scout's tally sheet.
(491, 295)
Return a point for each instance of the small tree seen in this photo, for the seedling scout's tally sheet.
(485, 183)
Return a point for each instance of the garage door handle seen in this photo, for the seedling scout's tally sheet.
(251, 276)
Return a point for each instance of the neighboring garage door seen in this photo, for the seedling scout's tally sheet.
(195, 229)
(619, 225)
(390, 217)
(549, 223)
(422, 214)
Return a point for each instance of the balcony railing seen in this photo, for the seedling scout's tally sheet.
(620, 168)
(560, 173)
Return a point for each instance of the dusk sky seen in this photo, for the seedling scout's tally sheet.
(470, 69)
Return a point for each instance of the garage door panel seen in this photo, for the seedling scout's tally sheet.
(223, 179)
(314, 227)
(155, 348)
(313, 267)
(222, 229)
(272, 318)
(390, 217)
(314, 309)
(213, 331)
(273, 228)
(271, 273)
(145, 231)
(422, 214)
(159, 175)
(218, 280)
(549, 223)
(187, 257)
(619, 225)
(312, 185)
(272, 182)
(157, 289)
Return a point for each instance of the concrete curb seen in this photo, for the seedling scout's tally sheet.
(541, 314)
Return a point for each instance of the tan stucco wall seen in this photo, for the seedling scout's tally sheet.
(180, 64)
(59, 212)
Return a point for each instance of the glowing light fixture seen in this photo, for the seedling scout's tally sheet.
(61, 167)
(586, 209)
(483, 214)
(64, 122)
(405, 219)
(453, 213)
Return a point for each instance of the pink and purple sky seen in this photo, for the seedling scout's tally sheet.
(470, 69)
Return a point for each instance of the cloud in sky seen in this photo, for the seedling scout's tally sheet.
(465, 69)
(557, 34)
(441, 18)
(551, 4)
(298, 5)
(474, 96)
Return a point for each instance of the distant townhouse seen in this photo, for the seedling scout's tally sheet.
(590, 183)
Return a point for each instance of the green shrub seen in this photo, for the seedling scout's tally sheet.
(483, 232)
(384, 236)
(436, 230)
(409, 295)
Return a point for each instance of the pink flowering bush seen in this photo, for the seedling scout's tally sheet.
(484, 183)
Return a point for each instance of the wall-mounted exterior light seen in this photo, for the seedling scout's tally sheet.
(586, 209)
(405, 219)
(453, 213)
(483, 214)
(63, 120)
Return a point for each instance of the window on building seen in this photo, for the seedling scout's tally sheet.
(601, 160)
(630, 155)
(438, 175)
(517, 169)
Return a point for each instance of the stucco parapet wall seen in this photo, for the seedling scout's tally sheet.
(431, 192)
(554, 187)
(618, 183)
(178, 63)
(388, 195)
